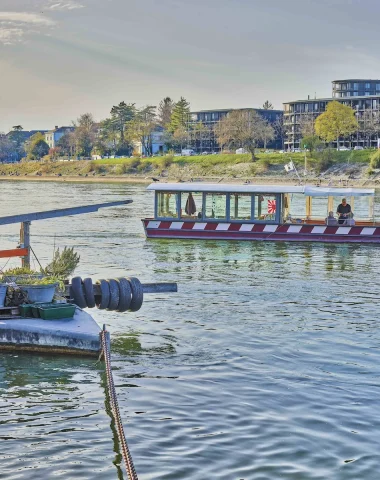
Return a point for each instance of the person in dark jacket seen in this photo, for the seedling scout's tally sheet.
(343, 210)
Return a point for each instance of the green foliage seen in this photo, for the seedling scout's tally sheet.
(48, 280)
(37, 147)
(311, 142)
(63, 264)
(325, 159)
(180, 115)
(18, 271)
(375, 160)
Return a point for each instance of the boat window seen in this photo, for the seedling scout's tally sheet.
(265, 207)
(167, 204)
(240, 206)
(215, 205)
(191, 204)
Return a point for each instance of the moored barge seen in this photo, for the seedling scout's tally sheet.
(261, 213)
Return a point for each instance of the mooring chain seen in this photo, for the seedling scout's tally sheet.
(126, 454)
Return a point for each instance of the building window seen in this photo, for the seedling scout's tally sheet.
(368, 85)
(348, 94)
(240, 206)
(315, 107)
(215, 205)
(167, 205)
(343, 86)
(355, 94)
(367, 93)
(377, 86)
(356, 86)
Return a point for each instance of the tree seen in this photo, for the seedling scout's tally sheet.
(310, 139)
(6, 148)
(37, 147)
(242, 129)
(120, 115)
(165, 110)
(337, 121)
(84, 134)
(180, 136)
(267, 132)
(67, 144)
(180, 115)
(200, 132)
(142, 127)
(280, 129)
(311, 142)
(267, 105)
(307, 125)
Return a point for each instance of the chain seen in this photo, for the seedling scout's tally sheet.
(126, 454)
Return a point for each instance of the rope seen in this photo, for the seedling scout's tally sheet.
(126, 454)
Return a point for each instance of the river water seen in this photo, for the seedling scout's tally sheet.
(265, 365)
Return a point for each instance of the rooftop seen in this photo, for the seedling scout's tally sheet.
(308, 190)
(232, 109)
(329, 99)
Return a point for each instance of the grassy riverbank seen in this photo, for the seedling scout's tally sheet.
(352, 165)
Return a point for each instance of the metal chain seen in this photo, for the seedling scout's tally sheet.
(126, 454)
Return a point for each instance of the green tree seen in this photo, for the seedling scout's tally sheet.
(180, 115)
(84, 134)
(337, 121)
(311, 142)
(165, 110)
(37, 147)
(120, 115)
(242, 129)
(141, 128)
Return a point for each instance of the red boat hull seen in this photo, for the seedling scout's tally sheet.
(259, 231)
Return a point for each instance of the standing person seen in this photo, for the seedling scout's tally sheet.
(343, 210)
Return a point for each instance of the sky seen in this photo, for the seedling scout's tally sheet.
(62, 58)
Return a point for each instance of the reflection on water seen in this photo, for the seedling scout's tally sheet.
(264, 365)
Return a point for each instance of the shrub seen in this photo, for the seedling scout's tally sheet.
(375, 160)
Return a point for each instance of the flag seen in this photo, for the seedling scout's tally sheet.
(271, 207)
(289, 167)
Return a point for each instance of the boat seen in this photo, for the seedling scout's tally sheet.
(206, 211)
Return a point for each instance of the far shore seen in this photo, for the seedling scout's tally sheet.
(264, 180)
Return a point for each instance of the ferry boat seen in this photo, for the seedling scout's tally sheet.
(261, 212)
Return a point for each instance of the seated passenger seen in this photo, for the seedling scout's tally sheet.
(331, 220)
(350, 220)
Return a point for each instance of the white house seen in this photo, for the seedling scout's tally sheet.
(52, 136)
(158, 143)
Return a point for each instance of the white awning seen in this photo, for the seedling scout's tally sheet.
(338, 192)
(223, 188)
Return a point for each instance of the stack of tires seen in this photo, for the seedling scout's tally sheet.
(119, 294)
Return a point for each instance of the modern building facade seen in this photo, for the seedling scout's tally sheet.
(360, 95)
(205, 140)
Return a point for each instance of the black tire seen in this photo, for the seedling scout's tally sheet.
(77, 292)
(125, 292)
(114, 294)
(89, 292)
(102, 301)
(137, 294)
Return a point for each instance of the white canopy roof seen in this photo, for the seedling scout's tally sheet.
(311, 191)
(308, 190)
(223, 188)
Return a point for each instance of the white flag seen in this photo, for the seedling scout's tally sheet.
(289, 167)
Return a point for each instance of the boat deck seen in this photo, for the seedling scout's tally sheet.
(78, 335)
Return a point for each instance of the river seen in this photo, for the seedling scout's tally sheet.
(264, 366)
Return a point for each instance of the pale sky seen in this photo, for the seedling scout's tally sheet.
(62, 58)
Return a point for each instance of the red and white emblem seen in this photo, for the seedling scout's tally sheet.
(271, 206)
